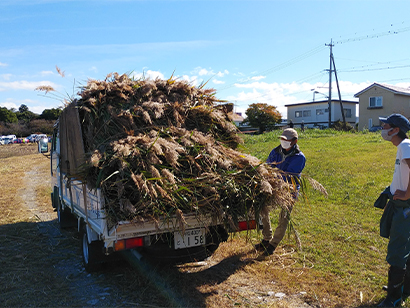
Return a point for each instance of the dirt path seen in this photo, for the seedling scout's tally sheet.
(28, 195)
(83, 288)
(60, 260)
(45, 262)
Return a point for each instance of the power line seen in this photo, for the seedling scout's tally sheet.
(372, 36)
(374, 69)
(397, 79)
(280, 66)
(365, 67)
(374, 62)
(318, 49)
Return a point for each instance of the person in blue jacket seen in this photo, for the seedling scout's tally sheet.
(395, 221)
(290, 160)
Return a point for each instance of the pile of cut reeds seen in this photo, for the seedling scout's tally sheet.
(164, 147)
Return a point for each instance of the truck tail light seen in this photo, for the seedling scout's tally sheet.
(129, 243)
(247, 225)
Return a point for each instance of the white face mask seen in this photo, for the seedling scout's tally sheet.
(385, 134)
(285, 144)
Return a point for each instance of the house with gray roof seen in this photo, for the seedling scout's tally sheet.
(381, 100)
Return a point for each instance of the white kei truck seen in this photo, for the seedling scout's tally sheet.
(79, 206)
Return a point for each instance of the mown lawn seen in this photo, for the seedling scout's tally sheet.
(339, 233)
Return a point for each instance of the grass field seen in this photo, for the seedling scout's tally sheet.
(341, 264)
(340, 233)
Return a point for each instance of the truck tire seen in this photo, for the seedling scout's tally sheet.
(53, 196)
(65, 218)
(92, 253)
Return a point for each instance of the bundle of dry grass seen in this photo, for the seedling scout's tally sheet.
(164, 147)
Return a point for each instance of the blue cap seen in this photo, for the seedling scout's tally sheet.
(397, 120)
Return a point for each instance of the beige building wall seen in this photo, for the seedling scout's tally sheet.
(392, 103)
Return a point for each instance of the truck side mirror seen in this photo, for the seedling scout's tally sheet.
(43, 145)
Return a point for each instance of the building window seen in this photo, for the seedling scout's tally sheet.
(320, 111)
(376, 101)
(298, 114)
(348, 113)
(306, 113)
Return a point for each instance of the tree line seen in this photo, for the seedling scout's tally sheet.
(23, 122)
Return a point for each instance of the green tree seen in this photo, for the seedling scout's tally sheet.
(263, 116)
(50, 114)
(23, 108)
(7, 116)
(25, 115)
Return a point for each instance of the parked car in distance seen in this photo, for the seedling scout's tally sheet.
(40, 136)
(375, 128)
(32, 138)
(9, 140)
(22, 140)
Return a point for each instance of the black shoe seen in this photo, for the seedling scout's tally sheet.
(269, 250)
(404, 296)
(262, 245)
(389, 302)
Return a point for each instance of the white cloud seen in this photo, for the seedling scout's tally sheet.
(258, 78)
(40, 108)
(203, 72)
(222, 74)
(272, 96)
(3, 64)
(93, 69)
(9, 105)
(216, 81)
(403, 84)
(6, 76)
(149, 74)
(281, 94)
(33, 105)
(24, 85)
(46, 73)
(351, 88)
(191, 79)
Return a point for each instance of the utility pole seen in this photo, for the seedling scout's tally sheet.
(330, 83)
(332, 63)
(338, 91)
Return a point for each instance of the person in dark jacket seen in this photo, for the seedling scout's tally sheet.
(290, 160)
(395, 221)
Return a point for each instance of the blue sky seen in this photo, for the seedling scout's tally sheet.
(249, 51)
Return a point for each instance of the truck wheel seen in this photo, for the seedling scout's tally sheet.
(54, 194)
(92, 253)
(65, 218)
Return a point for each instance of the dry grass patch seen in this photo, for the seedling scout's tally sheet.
(12, 171)
(15, 160)
(14, 150)
(41, 265)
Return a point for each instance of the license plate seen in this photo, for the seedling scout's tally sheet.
(190, 238)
